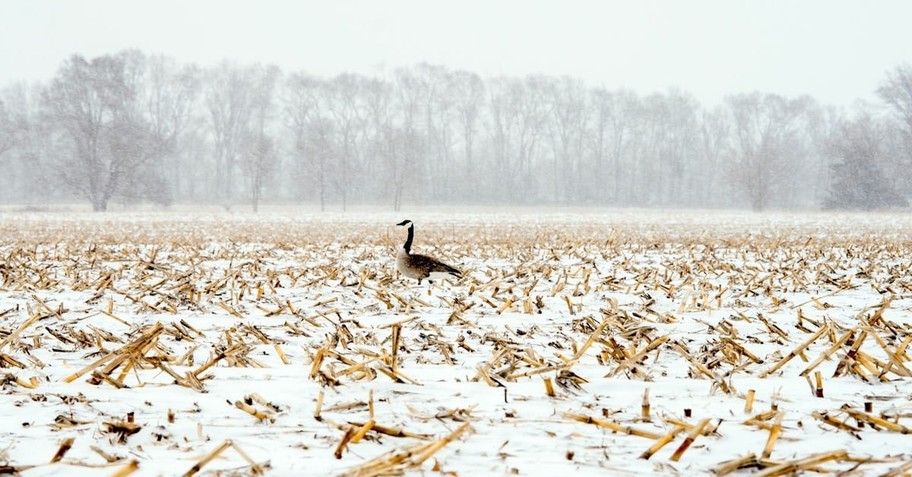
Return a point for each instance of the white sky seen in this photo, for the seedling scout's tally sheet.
(835, 50)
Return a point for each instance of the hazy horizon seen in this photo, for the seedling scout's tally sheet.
(834, 51)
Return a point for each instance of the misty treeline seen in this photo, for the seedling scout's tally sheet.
(130, 128)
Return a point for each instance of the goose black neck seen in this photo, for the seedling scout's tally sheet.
(408, 241)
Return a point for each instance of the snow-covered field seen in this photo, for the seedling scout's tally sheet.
(231, 344)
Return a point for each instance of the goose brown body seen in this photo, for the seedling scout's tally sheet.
(418, 266)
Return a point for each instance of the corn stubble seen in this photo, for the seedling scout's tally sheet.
(331, 303)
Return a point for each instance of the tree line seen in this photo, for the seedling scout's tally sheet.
(130, 127)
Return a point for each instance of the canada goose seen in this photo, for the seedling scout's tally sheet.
(420, 266)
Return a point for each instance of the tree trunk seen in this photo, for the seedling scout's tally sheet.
(256, 194)
(99, 205)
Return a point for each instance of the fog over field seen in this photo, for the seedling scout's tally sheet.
(604, 104)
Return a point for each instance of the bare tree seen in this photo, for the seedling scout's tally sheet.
(823, 123)
(402, 148)
(896, 92)
(228, 102)
(438, 112)
(532, 119)
(9, 130)
(130, 127)
(715, 150)
(170, 95)
(569, 115)
(518, 114)
(258, 153)
(467, 91)
(298, 105)
(259, 163)
(319, 147)
(613, 138)
(767, 141)
(677, 156)
(500, 126)
(378, 118)
(341, 103)
(860, 180)
(402, 138)
(24, 143)
(313, 130)
(100, 105)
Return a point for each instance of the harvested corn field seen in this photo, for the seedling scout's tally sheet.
(288, 344)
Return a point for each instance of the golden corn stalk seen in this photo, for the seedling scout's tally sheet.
(636, 358)
(389, 431)
(848, 361)
(65, 446)
(131, 467)
(549, 387)
(25, 325)
(589, 341)
(900, 470)
(130, 352)
(255, 469)
(360, 433)
(693, 361)
(370, 404)
(826, 354)
(877, 421)
(742, 350)
(896, 365)
(773, 435)
(343, 443)
(397, 462)
(841, 425)
(262, 416)
(612, 425)
(661, 442)
(799, 349)
(691, 437)
(319, 406)
(394, 345)
(794, 466)
(749, 401)
(728, 467)
(644, 406)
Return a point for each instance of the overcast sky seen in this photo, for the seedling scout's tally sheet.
(834, 50)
